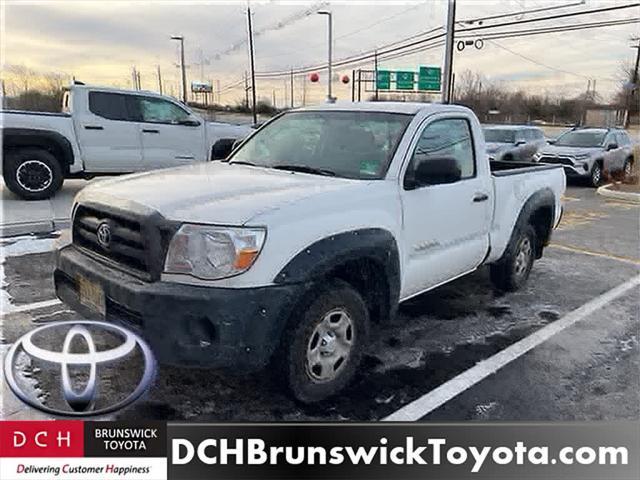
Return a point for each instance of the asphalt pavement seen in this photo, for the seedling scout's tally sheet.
(586, 371)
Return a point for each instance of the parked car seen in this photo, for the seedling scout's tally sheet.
(105, 131)
(311, 234)
(513, 142)
(589, 152)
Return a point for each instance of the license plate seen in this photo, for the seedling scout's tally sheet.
(91, 295)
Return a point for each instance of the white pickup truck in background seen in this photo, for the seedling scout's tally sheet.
(314, 230)
(105, 131)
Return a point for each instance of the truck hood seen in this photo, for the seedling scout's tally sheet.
(216, 192)
(569, 151)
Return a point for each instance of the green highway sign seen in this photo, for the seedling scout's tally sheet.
(405, 80)
(383, 79)
(429, 78)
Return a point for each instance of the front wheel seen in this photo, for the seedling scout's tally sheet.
(511, 272)
(628, 169)
(32, 173)
(324, 342)
(596, 175)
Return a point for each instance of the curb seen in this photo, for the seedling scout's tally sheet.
(623, 196)
(26, 228)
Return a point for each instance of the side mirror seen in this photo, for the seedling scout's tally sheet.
(436, 171)
(236, 143)
(520, 142)
(551, 141)
(612, 146)
(222, 148)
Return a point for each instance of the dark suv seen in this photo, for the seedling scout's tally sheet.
(513, 142)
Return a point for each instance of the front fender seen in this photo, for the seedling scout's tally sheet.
(327, 255)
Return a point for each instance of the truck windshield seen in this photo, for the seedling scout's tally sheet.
(584, 138)
(499, 135)
(352, 144)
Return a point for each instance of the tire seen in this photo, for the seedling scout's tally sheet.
(32, 173)
(595, 178)
(627, 170)
(312, 370)
(511, 272)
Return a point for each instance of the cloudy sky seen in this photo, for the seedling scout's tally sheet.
(100, 42)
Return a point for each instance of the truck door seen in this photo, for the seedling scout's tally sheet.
(446, 225)
(171, 136)
(108, 133)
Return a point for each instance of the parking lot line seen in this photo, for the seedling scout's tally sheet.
(584, 251)
(29, 306)
(454, 387)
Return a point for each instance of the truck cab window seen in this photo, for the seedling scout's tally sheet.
(450, 138)
(156, 110)
(112, 106)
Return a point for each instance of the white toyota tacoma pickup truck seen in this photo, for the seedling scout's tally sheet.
(104, 131)
(312, 232)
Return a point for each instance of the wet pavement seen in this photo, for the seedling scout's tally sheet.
(589, 371)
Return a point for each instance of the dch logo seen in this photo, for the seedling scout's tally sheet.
(80, 403)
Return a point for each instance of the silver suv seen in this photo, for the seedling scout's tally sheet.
(513, 142)
(590, 152)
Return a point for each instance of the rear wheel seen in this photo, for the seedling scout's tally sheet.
(323, 344)
(511, 272)
(32, 173)
(596, 175)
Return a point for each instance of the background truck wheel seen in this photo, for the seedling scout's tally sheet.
(512, 270)
(32, 173)
(596, 175)
(322, 346)
(628, 168)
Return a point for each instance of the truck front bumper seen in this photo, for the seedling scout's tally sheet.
(184, 325)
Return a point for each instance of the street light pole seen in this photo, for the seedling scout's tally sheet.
(448, 55)
(330, 98)
(252, 66)
(183, 71)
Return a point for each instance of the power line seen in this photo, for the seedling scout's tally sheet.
(369, 55)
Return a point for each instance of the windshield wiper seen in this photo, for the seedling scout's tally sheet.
(306, 169)
(242, 162)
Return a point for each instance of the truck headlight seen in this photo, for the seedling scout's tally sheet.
(211, 253)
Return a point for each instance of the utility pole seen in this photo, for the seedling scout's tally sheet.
(634, 84)
(448, 55)
(273, 98)
(139, 85)
(159, 80)
(304, 90)
(375, 67)
(330, 98)
(291, 86)
(353, 85)
(218, 91)
(183, 71)
(246, 91)
(252, 66)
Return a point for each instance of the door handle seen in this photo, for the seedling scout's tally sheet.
(150, 130)
(480, 197)
(93, 127)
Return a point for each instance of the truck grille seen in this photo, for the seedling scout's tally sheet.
(556, 160)
(120, 240)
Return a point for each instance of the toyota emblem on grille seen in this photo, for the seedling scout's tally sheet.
(104, 235)
(79, 379)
